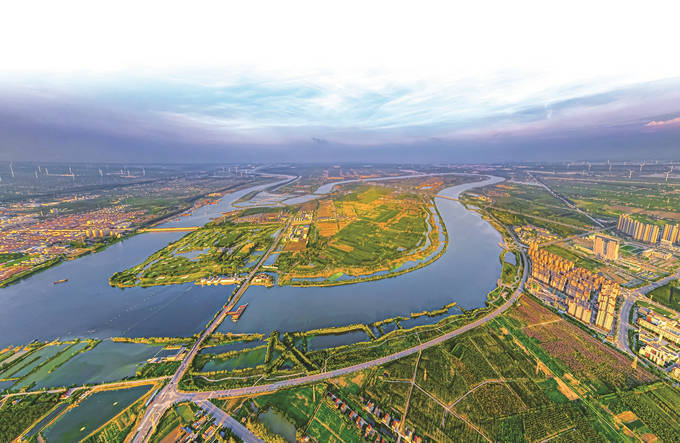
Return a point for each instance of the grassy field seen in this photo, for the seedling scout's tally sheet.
(362, 230)
(178, 415)
(298, 405)
(609, 198)
(583, 262)
(217, 249)
(667, 295)
(527, 376)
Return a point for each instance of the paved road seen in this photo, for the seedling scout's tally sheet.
(537, 217)
(112, 385)
(566, 201)
(623, 326)
(629, 301)
(652, 286)
(222, 419)
(239, 392)
(169, 394)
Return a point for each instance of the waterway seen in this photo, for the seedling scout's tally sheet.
(86, 306)
(465, 273)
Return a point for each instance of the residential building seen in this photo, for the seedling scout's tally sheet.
(606, 247)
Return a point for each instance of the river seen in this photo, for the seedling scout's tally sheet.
(86, 306)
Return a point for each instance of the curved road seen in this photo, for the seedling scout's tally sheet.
(170, 394)
(628, 302)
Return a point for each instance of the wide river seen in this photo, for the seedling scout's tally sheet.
(86, 306)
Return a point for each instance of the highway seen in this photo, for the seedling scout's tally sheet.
(239, 392)
(537, 217)
(566, 201)
(169, 394)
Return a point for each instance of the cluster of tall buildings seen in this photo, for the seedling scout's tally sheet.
(605, 247)
(647, 232)
(590, 297)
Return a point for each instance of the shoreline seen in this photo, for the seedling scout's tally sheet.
(101, 247)
(329, 283)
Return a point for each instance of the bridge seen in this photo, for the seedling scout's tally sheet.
(446, 197)
(177, 229)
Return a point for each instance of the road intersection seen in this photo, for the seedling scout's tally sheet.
(171, 394)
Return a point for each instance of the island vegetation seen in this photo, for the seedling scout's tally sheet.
(359, 233)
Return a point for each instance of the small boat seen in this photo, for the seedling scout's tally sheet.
(63, 280)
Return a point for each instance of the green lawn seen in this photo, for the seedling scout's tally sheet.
(668, 295)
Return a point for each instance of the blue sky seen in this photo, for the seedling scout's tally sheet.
(430, 81)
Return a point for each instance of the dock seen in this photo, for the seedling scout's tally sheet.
(235, 315)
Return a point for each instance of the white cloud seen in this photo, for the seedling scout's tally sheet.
(374, 65)
(406, 40)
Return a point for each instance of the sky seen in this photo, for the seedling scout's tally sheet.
(331, 81)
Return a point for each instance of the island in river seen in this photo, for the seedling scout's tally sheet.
(358, 232)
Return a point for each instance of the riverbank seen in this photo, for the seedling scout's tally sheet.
(433, 234)
(99, 247)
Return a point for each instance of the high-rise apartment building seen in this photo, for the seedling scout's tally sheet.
(606, 247)
(671, 234)
(644, 232)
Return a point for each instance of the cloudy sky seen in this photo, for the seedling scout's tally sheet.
(393, 81)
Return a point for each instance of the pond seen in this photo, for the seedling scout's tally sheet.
(278, 424)
(93, 412)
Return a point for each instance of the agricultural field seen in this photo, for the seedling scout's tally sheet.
(650, 410)
(361, 230)
(219, 248)
(330, 425)
(178, 415)
(600, 369)
(605, 197)
(16, 416)
(529, 375)
(308, 409)
(516, 204)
